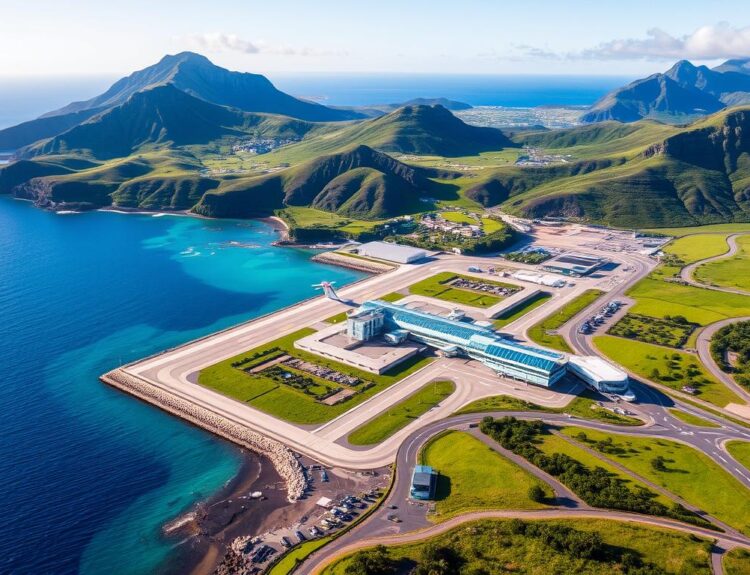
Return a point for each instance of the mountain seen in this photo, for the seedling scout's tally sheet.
(198, 76)
(644, 174)
(682, 93)
(162, 116)
(421, 130)
(190, 73)
(359, 182)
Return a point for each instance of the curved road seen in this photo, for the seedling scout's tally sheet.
(703, 347)
(377, 529)
(686, 274)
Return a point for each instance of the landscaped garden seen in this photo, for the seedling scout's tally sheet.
(296, 397)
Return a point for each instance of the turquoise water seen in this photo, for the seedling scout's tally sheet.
(89, 475)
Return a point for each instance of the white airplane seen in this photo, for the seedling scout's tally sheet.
(327, 288)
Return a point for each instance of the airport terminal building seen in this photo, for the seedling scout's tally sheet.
(457, 338)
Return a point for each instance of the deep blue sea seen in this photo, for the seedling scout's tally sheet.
(23, 99)
(89, 474)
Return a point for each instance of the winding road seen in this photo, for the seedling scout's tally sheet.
(686, 274)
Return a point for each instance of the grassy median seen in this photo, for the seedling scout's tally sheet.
(438, 286)
(473, 477)
(544, 334)
(680, 469)
(401, 414)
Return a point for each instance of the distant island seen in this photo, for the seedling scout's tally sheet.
(186, 135)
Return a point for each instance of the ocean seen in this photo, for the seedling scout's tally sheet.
(23, 99)
(89, 474)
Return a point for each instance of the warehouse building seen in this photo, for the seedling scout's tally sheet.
(423, 481)
(391, 252)
(573, 264)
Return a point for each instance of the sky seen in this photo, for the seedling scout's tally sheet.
(581, 37)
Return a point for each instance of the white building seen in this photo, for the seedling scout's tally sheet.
(391, 252)
(364, 325)
(599, 374)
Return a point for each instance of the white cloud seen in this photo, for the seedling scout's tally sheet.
(220, 42)
(223, 43)
(710, 42)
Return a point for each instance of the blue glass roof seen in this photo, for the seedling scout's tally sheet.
(470, 336)
(510, 353)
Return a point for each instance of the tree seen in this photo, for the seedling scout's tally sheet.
(374, 562)
(658, 463)
(537, 494)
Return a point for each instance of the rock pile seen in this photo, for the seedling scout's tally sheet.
(280, 456)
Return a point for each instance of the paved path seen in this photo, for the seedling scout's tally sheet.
(378, 529)
(703, 347)
(686, 274)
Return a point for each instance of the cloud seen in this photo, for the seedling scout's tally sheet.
(710, 42)
(224, 43)
(220, 42)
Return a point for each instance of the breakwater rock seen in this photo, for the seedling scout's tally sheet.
(359, 264)
(281, 457)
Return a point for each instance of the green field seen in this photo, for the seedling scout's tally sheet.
(285, 402)
(551, 444)
(517, 311)
(544, 334)
(740, 450)
(436, 286)
(708, 229)
(737, 562)
(669, 367)
(684, 471)
(581, 406)
(697, 247)
(473, 477)
(691, 419)
(733, 272)
(507, 546)
(659, 331)
(401, 414)
(458, 218)
(658, 298)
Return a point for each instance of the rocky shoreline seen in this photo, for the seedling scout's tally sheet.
(362, 265)
(283, 460)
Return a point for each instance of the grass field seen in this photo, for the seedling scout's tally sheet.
(473, 477)
(685, 472)
(691, 419)
(517, 311)
(737, 562)
(669, 367)
(458, 218)
(731, 272)
(552, 444)
(698, 247)
(654, 330)
(709, 229)
(401, 414)
(740, 450)
(288, 403)
(496, 546)
(581, 406)
(658, 298)
(543, 332)
(436, 286)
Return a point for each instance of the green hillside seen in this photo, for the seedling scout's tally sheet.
(161, 117)
(648, 174)
(359, 182)
(417, 130)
